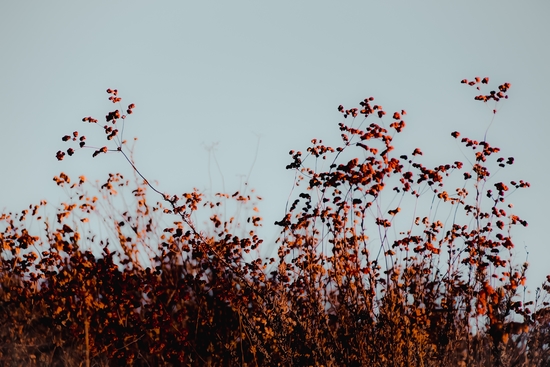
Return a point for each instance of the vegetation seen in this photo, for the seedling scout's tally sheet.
(381, 261)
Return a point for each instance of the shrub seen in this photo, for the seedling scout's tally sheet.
(378, 263)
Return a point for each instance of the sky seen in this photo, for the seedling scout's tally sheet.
(256, 79)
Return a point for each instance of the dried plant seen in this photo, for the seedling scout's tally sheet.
(381, 261)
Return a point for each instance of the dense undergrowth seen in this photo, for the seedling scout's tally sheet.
(381, 261)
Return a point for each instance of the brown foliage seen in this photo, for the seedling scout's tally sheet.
(346, 286)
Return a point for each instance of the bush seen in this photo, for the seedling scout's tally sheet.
(348, 286)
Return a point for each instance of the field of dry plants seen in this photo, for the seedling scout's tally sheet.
(381, 261)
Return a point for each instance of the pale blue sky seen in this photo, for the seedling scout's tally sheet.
(227, 71)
